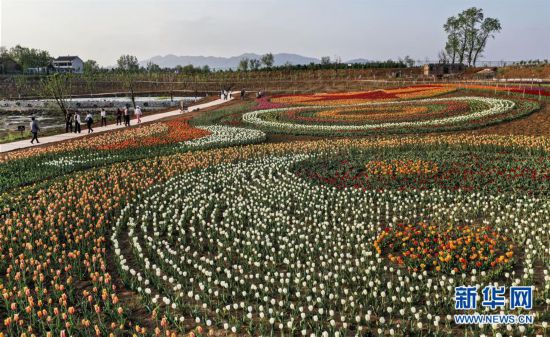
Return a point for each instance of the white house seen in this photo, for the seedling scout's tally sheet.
(68, 64)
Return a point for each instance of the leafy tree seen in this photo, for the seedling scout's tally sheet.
(325, 60)
(128, 63)
(452, 46)
(29, 58)
(488, 29)
(243, 64)
(127, 78)
(90, 67)
(152, 67)
(268, 60)
(254, 64)
(20, 82)
(468, 33)
(57, 87)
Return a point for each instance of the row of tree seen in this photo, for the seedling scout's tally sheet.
(467, 36)
(27, 57)
(268, 60)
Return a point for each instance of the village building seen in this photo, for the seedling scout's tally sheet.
(443, 69)
(9, 66)
(68, 64)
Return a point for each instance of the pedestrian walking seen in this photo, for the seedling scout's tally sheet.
(77, 122)
(34, 130)
(243, 92)
(103, 117)
(69, 122)
(89, 121)
(126, 116)
(118, 116)
(138, 114)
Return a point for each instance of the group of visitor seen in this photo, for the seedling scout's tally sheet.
(75, 118)
(225, 95)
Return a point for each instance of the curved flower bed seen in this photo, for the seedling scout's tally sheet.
(356, 118)
(131, 144)
(348, 98)
(252, 247)
(146, 135)
(226, 136)
(300, 257)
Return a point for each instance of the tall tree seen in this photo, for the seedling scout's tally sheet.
(128, 79)
(243, 64)
(20, 82)
(153, 67)
(254, 64)
(468, 33)
(90, 66)
(268, 60)
(325, 60)
(488, 29)
(128, 63)
(452, 47)
(57, 87)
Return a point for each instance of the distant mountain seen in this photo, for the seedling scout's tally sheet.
(359, 61)
(171, 61)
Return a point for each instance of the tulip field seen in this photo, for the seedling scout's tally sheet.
(203, 226)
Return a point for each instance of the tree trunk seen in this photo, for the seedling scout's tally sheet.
(133, 96)
(462, 50)
(471, 49)
(479, 49)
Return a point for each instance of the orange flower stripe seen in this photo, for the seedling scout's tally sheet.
(173, 131)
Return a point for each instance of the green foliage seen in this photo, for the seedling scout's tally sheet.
(152, 67)
(192, 70)
(58, 88)
(255, 64)
(29, 57)
(243, 64)
(128, 63)
(467, 35)
(91, 67)
(268, 60)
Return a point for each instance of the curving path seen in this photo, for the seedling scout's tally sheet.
(21, 144)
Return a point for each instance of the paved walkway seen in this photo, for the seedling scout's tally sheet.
(98, 129)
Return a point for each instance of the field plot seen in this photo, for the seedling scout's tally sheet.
(195, 226)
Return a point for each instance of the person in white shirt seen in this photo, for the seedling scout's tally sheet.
(103, 117)
(138, 114)
(126, 116)
(77, 122)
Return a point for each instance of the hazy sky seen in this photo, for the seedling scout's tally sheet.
(372, 29)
